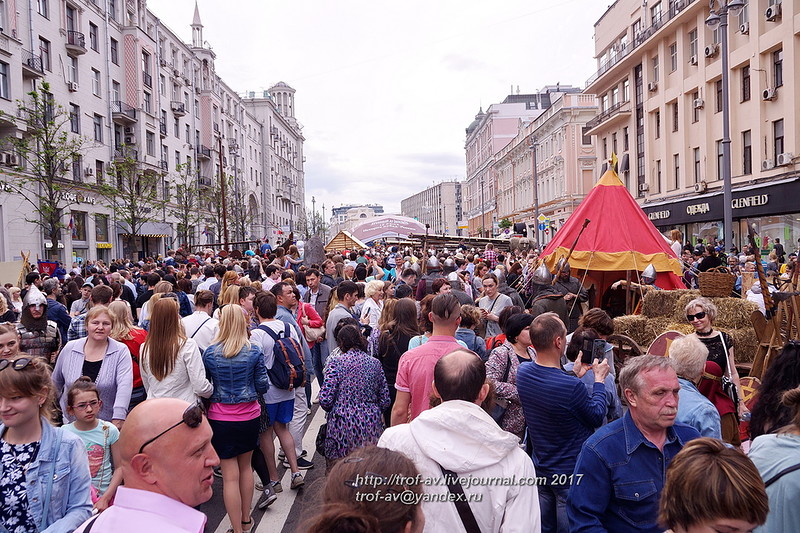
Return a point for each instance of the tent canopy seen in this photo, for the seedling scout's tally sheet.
(620, 237)
(387, 227)
(344, 240)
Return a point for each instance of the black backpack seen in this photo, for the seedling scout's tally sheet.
(288, 369)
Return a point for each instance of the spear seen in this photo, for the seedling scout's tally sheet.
(574, 244)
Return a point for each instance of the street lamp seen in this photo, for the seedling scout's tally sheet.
(718, 18)
(289, 185)
(535, 177)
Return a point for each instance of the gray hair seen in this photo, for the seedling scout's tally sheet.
(630, 376)
(705, 304)
(688, 356)
(49, 285)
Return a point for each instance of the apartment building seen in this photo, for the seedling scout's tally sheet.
(566, 166)
(659, 81)
(347, 217)
(438, 206)
(134, 90)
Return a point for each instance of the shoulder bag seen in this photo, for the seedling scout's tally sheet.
(728, 386)
(501, 404)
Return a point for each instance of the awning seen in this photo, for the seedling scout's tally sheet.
(148, 235)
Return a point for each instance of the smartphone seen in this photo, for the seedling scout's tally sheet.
(593, 349)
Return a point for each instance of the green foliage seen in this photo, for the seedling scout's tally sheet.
(505, 223)
(190, 206)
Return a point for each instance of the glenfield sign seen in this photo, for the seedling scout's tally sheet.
(750, 201)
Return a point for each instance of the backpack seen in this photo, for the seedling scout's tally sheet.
(288, 369)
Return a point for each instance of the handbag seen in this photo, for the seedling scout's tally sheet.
(320, 441)
(728, 386)
(311, 334)
(501, 404)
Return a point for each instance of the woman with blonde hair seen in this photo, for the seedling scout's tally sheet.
(9, 341)
(236, 368)
(373, 303)
(133, 337)
(162, 287)
(230, 278)
(227, 297)
(171, 363)
(293, 258)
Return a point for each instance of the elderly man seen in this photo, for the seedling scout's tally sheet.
(161, 437)
(621, 468)
(458, 439)
(689, 356)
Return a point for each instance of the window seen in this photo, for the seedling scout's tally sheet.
(626, 91)
(99, 171)
(614, 143)
(693, 43)
(78, 219)
(676, 169)
(176, 128)
(625, 141)
(72, 71)
(777, 133)
(718, 99)
(657, 117)
(745, 83)
(743, 18)
(114, 45)
(188, 134)
(4, 87)
(147, 102)
(98, 127)
(162, 85)
(655, 68)
(604, 105)
(673, 57)
(605, 148)
(695, 108)
(196, 108)
(72, 17)
(74, 118)
(177, 159)
(115, 91)
(655, 14)
(747, 152)
(777, 67)
(77, 168)
(42, 6)
(150, 142)
(112, 9)
(675, 116)
(93, 42)
(696, 153)
(586, 139)
(44, 51)
(95, 82)
(101, 227)
(658, 176)
(719, 159)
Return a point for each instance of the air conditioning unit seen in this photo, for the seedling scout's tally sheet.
(652, 86)
(128, 130)
(700, 186)
(162, 62)
(711, 50)
(10, 159)
(72, 86)
(176, 72)
(773, 13)
(197, 90)
(698, 103)
(769, 94)
(693, 60)
(130, 139)
(767, 164)
(744, 29)
(643, 187)
(784, 159)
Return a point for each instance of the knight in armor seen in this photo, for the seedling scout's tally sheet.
(38, 336)
(574, 294)
(433, 270)
(548, 299)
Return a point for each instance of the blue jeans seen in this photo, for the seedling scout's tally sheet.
(553, 504)
(319, 353)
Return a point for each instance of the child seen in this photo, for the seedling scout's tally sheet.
(99, 437)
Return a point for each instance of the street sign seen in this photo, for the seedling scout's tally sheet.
(542, 227)
(542, 218)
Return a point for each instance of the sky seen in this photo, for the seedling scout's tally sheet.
(385, 89)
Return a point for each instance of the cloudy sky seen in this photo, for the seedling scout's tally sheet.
(386, 89)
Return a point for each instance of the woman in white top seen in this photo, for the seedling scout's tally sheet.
(373, 303)
(676, 236)
(171, 364)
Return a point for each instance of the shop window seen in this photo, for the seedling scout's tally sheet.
(101, 228)
(78, 222)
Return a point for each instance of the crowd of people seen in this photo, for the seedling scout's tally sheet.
(463, 389)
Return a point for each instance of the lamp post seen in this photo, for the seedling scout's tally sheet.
(718, 18)
(313, 216)
(289, 185)
(535, 176)
(324, 225)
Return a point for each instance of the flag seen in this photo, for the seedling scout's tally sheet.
(205, 231)
(47, 267)
(73, 229)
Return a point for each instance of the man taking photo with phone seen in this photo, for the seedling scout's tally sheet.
(560, 414)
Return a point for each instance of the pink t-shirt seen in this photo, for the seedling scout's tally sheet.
(415, 370)
(234, 412)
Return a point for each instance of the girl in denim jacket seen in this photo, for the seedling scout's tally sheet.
(44, 472)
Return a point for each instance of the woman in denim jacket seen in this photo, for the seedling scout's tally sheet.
(44, 471)
(236, 369)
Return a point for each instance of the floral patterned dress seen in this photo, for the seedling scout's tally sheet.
(513, 420)
(354, 395)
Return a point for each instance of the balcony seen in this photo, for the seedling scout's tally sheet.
(123, 113)
(76, 43)
(123, 153)
(204, 181)
(203, 152)
(147, 79)
(676, 8)
(162, 128)
(178, 108)
(32, 66)
(613, 115)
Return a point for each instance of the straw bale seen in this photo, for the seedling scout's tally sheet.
(631, 325)
(663, 303)
(732, 312)
(745, 343)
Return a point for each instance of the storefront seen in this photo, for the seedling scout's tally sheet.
(771, 208)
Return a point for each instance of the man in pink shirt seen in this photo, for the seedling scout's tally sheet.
(168, 466)
(415, 370)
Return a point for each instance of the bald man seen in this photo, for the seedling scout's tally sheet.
(168, 468)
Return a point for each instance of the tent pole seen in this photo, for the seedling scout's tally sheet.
(627, 292)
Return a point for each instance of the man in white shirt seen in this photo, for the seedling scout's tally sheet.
(200, 326)
(273, 276)
(205, 285)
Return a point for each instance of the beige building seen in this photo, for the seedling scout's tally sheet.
(566, 165)
(438, 206)
(659, 82)
(347, 217)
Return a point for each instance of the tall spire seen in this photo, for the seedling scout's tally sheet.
(197, 28)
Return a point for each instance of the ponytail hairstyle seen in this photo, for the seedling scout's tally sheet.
(82, 384)
(791, 399)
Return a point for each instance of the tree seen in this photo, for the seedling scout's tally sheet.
(311, 224)
(504, 224)
(133, 195)
(190, 206)
(47, 151)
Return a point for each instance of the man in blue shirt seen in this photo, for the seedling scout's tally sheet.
(621, 468)
(560, 414)
(689, 356)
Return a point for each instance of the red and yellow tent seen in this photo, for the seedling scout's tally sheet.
(619, 239)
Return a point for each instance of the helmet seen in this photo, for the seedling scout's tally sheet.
(34, 297)
(542, 275)
(649, 275)
(433, 263)
(448, 265)
(562, 266)
(452, 276)
(406, 265)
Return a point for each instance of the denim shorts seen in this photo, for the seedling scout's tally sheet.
(281, 412)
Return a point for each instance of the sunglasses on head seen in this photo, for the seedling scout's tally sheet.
(16, 364)
(192, 417)
(699, 316)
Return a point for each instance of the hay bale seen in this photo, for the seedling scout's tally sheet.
(631, 325)
(734, 313)
(745, 344)
(663, 303)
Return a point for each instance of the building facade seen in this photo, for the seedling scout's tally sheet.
(134, 91)
(566, 166)
(659, 82)
(439, 207)
(346, 217)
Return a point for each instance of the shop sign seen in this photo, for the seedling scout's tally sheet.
(79, 198)
(49, 244)
(659, 215)
(104, 245)
(696, 209)
(750, 201)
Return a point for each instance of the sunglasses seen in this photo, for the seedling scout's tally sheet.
(16, 364)
(699, 316)
(192, 417)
